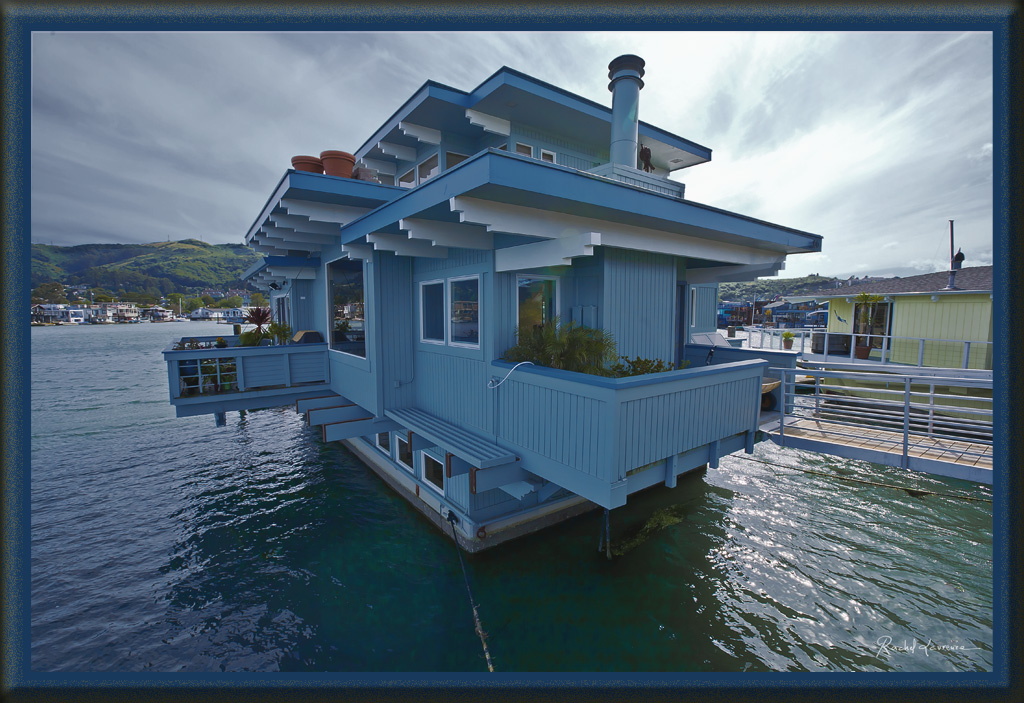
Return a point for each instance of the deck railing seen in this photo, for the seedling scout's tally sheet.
(909, 410)
(197, 369)
(607, 427)
(886, 349)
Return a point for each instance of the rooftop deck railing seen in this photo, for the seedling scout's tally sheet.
(885, 349)
(909, 415)
(198, 369)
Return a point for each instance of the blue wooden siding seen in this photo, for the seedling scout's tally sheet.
(302, 308)
(307, 368)
(639, 302)
(583, 432)
(454, 388)
(569, 152)
(557, 424)
(478, 259)
(656, 427)
(395, 319)
(260, 371)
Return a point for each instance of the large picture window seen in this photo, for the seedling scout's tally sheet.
(348, 320)
(432, 312)
(537, 300)
(464, 314)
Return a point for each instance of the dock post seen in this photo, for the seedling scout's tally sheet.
(221, 419)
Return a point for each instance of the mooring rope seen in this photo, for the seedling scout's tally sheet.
(912, 491)
(476, 617)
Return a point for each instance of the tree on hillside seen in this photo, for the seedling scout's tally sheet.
(234, 301)
(207, 300)
(193, 304)
(258, 300)
(174, 298)
(49, 293)
(103, 298)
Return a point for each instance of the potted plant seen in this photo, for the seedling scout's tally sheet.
(787, 339)
(867, 302)
(261, 318)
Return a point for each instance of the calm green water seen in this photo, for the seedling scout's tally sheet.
(166, 544)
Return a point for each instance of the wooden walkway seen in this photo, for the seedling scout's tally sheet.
(935, 455)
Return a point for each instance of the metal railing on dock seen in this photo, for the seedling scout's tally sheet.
(885, 349)
(913, 420)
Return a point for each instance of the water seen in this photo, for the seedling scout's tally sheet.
(167, 544)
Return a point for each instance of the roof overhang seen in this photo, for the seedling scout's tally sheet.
(507, 97)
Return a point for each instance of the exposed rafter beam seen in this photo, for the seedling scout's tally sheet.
(550, 252)
(427, 135)
(287, 239)
(448, 234)
(489, 123)
(403, 246)
(518, 219)
(358, 251)
(402, 153)
(327, 231)
(385, 167)
(723, 274)
(324, 212)
(305, 273)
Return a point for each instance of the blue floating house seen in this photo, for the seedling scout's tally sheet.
(470, 214)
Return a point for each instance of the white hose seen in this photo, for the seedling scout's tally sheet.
(491, 384)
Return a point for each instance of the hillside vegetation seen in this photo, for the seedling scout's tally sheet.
(771, 287)
(157, 269)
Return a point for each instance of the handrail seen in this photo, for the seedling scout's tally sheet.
(802, 333)
(911, 413)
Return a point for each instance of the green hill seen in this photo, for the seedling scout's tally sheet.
(161, 267)
(738, 292)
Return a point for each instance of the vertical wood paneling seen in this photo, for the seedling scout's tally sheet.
(639, 302)
(961, 317)
(397, 328)
(454, 389)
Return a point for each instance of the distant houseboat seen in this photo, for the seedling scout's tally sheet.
(471, 215)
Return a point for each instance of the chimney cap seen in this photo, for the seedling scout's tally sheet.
(626, 62)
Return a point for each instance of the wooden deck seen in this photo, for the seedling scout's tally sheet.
(938, 449)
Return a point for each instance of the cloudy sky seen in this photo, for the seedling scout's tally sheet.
(873, 140)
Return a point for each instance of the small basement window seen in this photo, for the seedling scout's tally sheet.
(407, 179)
(433, 472)
(384, 442)
(548, 156)
(524, 149)
(404, 452)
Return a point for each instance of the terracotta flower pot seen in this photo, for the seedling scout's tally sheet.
(307, 163)
(338, 163)
(862, 351)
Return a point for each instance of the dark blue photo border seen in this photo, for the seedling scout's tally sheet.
(20, 20)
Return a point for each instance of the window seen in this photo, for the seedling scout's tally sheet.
(432, 312)
(524, 149)
(348, 322)
(464, 314)
(537, 300)
(384, 442)
(427, 169)
(453, 159)
(404, 452)
(433, 472)
(880, 324)
(407, 179)
(548, 156)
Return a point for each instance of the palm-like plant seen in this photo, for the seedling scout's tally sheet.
(258, 316)
(570, 347)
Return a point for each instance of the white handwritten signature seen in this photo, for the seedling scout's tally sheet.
(885, 646)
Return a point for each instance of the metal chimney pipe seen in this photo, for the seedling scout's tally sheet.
(625, 73)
